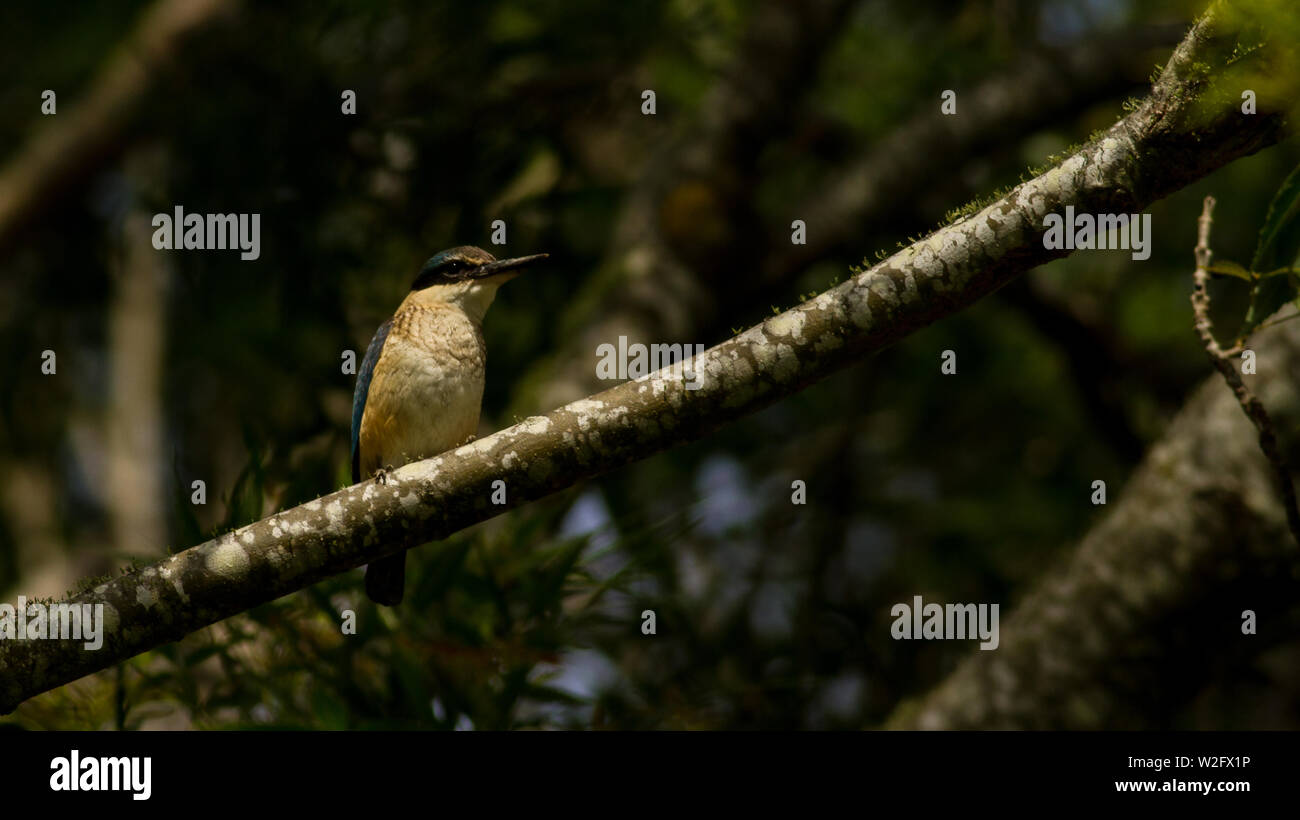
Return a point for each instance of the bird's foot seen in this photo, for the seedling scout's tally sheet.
(472, 438)
(381, 475)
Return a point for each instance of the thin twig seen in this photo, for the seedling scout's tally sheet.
(1274, 322)
(1223, 360)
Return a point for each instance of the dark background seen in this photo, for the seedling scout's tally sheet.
(183, 366)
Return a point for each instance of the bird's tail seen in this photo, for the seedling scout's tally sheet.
(386, 580)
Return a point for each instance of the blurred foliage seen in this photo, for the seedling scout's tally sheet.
(768, 614)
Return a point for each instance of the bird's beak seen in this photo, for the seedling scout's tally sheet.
(508, 265)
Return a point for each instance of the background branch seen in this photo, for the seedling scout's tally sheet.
(85, 136)
(1197, 537)
(666, 282)
(655, 278)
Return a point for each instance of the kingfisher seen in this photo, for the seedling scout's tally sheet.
(420, 387)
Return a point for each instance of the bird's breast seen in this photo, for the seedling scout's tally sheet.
(427, 389)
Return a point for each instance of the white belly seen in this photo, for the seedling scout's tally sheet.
(427, 401)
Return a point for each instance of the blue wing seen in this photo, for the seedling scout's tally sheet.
(363, 389)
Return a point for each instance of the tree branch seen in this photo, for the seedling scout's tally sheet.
(1040, 88)
(1179, 135)
(1223, 362)
(1159, 583)
(663, 297)
(73, 145)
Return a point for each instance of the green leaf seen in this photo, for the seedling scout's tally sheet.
(1279, 239)
(1227, 268)
(1279, 248)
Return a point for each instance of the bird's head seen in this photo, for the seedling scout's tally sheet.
(467, 277)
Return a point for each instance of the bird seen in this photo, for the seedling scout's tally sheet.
(419, 390)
